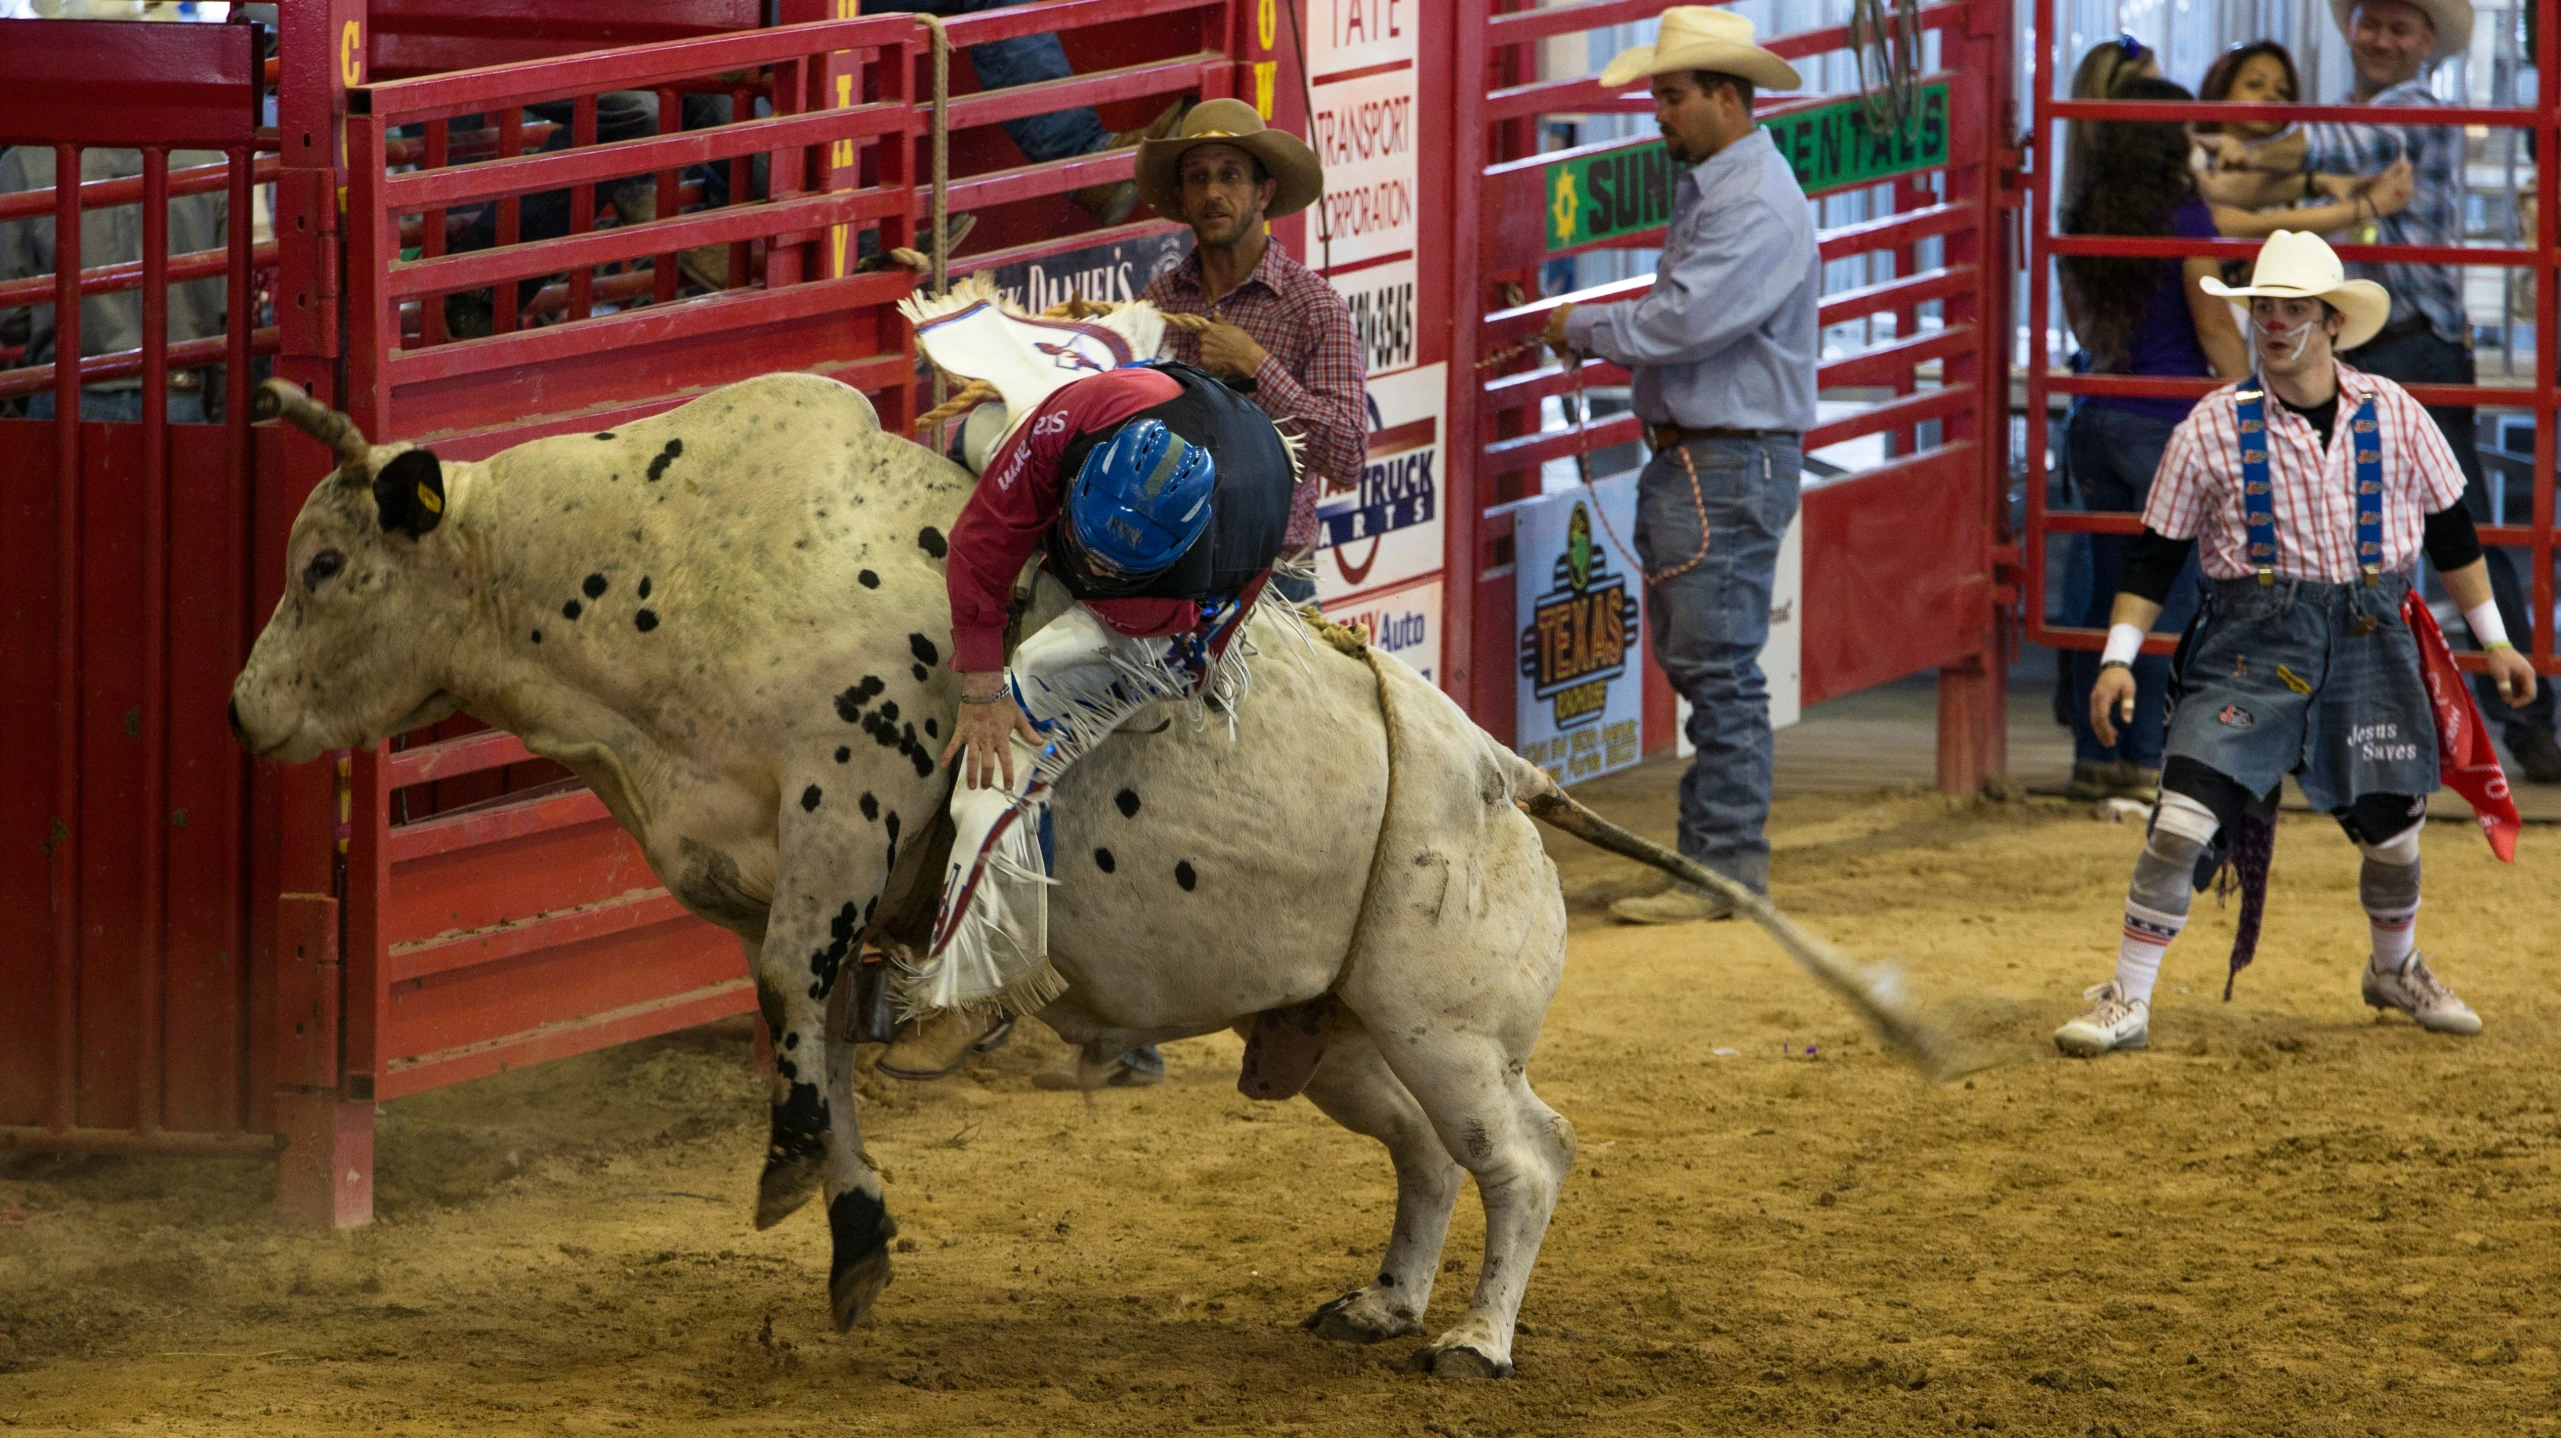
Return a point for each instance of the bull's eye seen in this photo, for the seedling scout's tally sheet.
(323, 565)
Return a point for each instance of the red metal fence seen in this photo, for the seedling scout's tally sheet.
(244, 952)
(193, 991)
(133, 1008)
(1898, 559)
(2045, 378)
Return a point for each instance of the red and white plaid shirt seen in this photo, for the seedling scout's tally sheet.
(1314, 385)
(2197, 493)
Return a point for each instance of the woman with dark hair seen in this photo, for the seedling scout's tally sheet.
(2253, 204)
(2109, 64)
(2134, 317)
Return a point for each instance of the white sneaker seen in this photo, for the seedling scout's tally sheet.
(2111, 1023)
(2415, 991)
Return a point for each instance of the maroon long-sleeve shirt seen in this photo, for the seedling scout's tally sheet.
(1016, 503)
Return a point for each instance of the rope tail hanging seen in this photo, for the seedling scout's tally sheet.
(1875, 991)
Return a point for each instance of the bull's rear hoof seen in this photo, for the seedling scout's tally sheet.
(1356, 1317)
(851, 1291)
(786, 1185)
(861, 1230)
(1460, 1361)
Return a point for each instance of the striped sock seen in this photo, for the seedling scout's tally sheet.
(2148, 933)
(2395, 935)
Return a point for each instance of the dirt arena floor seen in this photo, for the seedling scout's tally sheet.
(2286, 1218)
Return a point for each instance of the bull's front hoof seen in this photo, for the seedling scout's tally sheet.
(786, 1185)
(1460, 1361)
(1360, 1317)
(861, 1229)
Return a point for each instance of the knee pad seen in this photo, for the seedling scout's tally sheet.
(2165, 874)
(2400, 851)
(2386, 887)
(2177, 814)
(2386, 826)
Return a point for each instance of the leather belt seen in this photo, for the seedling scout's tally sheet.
(1666, 436)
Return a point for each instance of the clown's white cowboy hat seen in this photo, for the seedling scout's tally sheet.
(2452, 19)
(2299, 265)
(1702, 37)
(1285, 158)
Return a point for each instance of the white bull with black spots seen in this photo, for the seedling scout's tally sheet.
(729, 620)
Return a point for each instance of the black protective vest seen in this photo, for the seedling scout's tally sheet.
(1248, 506)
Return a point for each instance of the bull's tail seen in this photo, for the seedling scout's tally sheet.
(1874, 990)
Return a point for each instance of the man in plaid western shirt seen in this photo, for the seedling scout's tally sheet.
(2428, 339)
(1275, 323)
(2302, 662)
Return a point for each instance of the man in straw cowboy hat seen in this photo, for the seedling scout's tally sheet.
(2308, 490)
(1723, 350)
(2428, 339)
(1275, 328)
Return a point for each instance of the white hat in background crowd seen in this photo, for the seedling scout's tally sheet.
(2452, 19)
(2295, 265)
(1703, 37)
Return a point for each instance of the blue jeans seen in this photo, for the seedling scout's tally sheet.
(2422, 358)
(114, 406)
(2113, 454)
(1709, 623)
(1024, 61)
(2280, 682)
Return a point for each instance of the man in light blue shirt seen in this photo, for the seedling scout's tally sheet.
(1723, 350)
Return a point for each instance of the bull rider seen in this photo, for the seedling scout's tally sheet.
(1159, 497)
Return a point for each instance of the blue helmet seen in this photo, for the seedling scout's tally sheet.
(1140, 499)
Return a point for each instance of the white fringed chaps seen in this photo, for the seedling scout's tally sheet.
(1078, 680)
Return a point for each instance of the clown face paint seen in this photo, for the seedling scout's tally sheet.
(2282, 331)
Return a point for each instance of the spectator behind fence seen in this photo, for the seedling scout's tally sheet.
(1060, 134)
(2428, 339)
(1276, 324)
(2107, 65)
(2134, 317)
(2252, 204)
(111, 323)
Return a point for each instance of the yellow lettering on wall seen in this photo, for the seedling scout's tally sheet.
(1266, 73)
(1267, 22)
(351, 54)
(837, 237)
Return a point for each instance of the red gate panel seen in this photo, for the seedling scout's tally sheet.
(1877, 604)
(2046, 377)
(135, 1015)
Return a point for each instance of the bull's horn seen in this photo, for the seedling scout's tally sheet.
(281, 399)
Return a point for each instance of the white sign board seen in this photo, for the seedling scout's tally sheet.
(1404, 622)
(1385, 530)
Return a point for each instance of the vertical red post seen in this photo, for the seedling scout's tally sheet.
(2547, 190)
(239, 320)
(1973, 709)
(1464, 592)
(582, 208)
(65, 838)
(151, 956)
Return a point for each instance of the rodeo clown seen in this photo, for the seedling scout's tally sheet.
(1159, 497)
(2310, 488)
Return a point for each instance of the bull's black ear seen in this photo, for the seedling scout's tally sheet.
(410, 492)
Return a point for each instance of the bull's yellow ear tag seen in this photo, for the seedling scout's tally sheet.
(429, 500)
